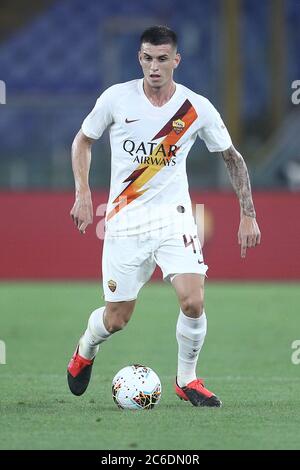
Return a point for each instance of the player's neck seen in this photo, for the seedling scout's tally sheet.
(159, 96)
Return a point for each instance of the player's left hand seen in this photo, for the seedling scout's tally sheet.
(249, 234)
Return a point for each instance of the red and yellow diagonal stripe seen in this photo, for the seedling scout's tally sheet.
(144, 172)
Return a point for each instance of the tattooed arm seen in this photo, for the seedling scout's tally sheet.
(249, 233)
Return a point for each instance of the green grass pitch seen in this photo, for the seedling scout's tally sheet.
(246, 360)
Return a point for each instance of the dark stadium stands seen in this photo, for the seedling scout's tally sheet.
(55, 66)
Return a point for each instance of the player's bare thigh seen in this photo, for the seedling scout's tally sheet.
(118, 314)
(190, 292)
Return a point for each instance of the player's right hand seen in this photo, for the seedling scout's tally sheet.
(82, 211)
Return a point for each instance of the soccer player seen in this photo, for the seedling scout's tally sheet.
(153, 122)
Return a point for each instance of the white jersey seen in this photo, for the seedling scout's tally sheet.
(149, 147)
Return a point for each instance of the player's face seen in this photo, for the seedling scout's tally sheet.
(158, 63)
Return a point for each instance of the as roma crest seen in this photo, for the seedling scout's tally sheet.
(178, 126)
(112, 285)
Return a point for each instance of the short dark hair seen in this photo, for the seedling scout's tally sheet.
(158, 35)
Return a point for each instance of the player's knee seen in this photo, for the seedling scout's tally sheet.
(192, 306)
(117, 316)
(115, 324)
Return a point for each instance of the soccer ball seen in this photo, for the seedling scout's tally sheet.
(136, 387)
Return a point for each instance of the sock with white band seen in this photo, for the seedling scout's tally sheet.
(94, 335)
(190, 335)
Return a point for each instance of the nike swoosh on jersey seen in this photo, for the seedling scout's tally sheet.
(128, 121)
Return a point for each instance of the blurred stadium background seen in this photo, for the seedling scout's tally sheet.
(56, 57)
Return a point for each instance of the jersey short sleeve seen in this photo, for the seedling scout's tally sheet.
(100, 117)
(214, 132)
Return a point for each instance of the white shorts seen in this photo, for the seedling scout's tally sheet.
(128, 262)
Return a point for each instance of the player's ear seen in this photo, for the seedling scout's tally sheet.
(140, 57)
(177, 60)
